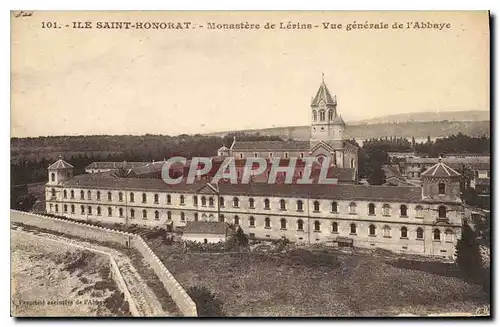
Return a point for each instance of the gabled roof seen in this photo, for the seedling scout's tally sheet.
(440, 170)
(204, 227)
(60, 164)
(271, 145)
(323, 94)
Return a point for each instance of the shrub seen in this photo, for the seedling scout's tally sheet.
(207, 304)
(468, 255)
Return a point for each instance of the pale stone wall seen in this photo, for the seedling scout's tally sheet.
(211, 238)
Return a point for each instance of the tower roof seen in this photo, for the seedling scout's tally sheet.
(440, 170)
(338, 120)
(60, 164)
(324, 94)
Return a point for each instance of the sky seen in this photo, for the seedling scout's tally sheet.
(67, 81)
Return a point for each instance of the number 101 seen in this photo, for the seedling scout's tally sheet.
(49, 25)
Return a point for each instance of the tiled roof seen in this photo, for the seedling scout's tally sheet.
(440, 170)
(323, 94)
(271, 145)
(337, 191)
(204, 227)
(115, 165)
(60, 164)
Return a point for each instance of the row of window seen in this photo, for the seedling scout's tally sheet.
(386, 208)
(322, 115)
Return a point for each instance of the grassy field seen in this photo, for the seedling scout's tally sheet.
(255, 284)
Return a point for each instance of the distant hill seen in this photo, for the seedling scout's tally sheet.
(476, 115)
(416, 129)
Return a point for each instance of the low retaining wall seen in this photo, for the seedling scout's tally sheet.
(115, 271)
(185, 304)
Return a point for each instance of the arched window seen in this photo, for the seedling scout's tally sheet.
(353, 229)
(330, 114)
(352, 208)
(371, 209)
(157, 215)
(221, 201)
(53, 175)
(316, 206)
(448, 235)
(144, 198)
(251, 203)
(322, 115)
(282, 204)
(441, 188)
(420, 233)
(98, 211)
(131, 197)
(120, 211)
(120, 196)
(315, 118)
(110, 197)
(300, 224)
(300, 205)
(386, 210)
(89, 210)
(72, 194)
(403, 210)
(181, 199)
(169, 199)
(110, 211)
(267, 222)
(372, 230)
(82, 210)
(82, 195)
(251, 221)
(335, 207)
(317, 226)
(442, 211)
(418, 211)
(387, 231)
(283, 223)
(57, 208)
(169, 215)
(51, 207)
(98, 195)
(144, 214)
(211, 201)
(221, 218)
(335, 227)
(53, 192)
(236, 220)
(132, 213)
(404, 232)
(156, 198)
(266, 204)
(203, 201)
(72, 208)
(437, 235)
(65, 194)
(89, 195)
(183, 217)
(236, 202)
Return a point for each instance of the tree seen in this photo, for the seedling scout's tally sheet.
(207, 304)
(468, 254)
(241, 237)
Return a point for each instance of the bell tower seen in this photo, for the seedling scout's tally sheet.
(326, 124)
(59, 171)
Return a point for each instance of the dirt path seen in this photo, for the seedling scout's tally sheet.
(145, 299)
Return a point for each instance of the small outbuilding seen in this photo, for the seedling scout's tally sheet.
(205, 231)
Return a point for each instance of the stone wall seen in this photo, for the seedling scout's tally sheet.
(174, 289)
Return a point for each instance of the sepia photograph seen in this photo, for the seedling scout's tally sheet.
(250, 164)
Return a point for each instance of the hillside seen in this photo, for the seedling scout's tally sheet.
(477, 115)
(419, 130)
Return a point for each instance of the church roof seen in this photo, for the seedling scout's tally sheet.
(60, 164)
(440, 170)
(323, 94)
(338, 120)
(271, 145)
